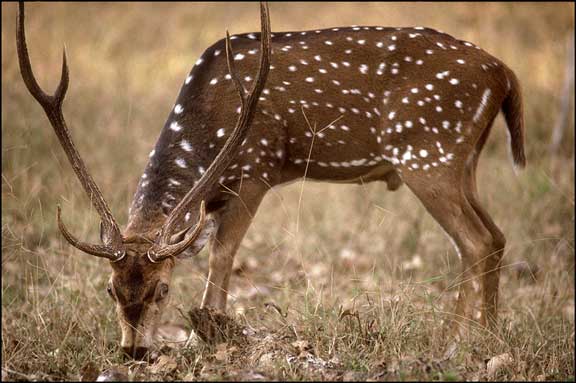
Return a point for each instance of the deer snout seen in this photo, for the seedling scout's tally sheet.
(136, 343)
(136, 340)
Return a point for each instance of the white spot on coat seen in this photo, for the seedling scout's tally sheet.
(185, 145)
(181, 163)
(175, 126)
(483, 103)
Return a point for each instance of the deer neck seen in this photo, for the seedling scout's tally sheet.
(166, 180)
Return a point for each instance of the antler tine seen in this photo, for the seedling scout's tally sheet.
(97, 250)
(168, 251)
(52, 106)
(226, 155)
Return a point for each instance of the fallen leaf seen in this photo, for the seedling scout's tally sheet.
(190, 377)
(210, 372)
(302, 346)
(223, 352)
(347, 312)
(252, 292)
(275, 307)
(193, 341)
(267, 361)
(346, 253)
(137, 371)
(249, 376)
(498, 363)
(163, 365)
(568, 311)
(527, 271)
(414, 264)
(88, 372)
(246, 266)
(174, 336)
(331, 376)
(353, 376)
(393, 366)
(317, 270)
(277, 276)
(553, 229)
(451, 351)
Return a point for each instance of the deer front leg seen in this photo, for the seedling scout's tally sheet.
(235, 218)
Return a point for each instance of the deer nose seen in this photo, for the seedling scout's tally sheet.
(133, 313)
(137, 353)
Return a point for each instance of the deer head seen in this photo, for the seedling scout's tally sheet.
(142, 265)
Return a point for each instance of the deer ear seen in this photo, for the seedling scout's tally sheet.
(101, 232)
(210, 227)
(103, 237)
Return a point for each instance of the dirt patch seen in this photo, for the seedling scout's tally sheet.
(214, 327)
(245, 351)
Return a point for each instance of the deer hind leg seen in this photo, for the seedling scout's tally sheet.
(444, 197)
(491, 272)
(234, 219)
(491, 262)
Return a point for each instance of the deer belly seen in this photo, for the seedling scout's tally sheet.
(339, 166)
(342, 151)
(347, 171)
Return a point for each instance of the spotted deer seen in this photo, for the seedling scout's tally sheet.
(346, 104)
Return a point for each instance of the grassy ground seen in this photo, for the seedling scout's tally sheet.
(357, 291)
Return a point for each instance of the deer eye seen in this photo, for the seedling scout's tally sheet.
(114, 294)
(109, 291)
(162, 291)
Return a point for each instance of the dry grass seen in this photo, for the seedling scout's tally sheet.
(372, 255)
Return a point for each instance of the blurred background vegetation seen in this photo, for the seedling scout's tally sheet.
(127, 63)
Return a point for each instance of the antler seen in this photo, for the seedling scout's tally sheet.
(162, 249)
(52, 105)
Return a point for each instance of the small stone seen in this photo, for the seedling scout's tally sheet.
(114, 374)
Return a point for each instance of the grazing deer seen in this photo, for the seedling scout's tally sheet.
(400, 105)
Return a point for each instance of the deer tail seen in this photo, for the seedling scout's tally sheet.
(513, 111)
